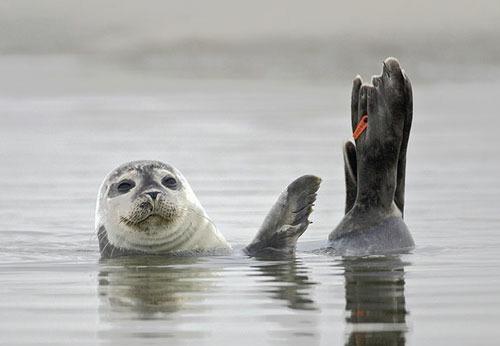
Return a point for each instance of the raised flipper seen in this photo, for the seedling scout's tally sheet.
(287, 220)
(350, 152)
(375, 166)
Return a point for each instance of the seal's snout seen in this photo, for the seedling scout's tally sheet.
(152, 203)
(153, 194)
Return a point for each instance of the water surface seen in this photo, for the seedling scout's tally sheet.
(240, 143)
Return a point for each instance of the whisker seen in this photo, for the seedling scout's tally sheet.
(199, 215)
(105, 246)
(112, 250)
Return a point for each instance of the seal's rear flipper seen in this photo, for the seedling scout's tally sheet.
(288, 218)
(399, 197)
(381, 128)
(351, 172)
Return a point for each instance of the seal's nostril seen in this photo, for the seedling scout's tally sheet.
(153, 194)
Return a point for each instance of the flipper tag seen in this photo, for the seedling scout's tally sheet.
(361, 127)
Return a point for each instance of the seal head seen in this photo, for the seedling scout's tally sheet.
(149, 207)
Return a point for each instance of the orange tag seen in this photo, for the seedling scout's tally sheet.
(361, 127)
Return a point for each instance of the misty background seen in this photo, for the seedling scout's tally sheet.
(223, 39)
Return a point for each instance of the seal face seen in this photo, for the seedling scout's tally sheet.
(149, 207)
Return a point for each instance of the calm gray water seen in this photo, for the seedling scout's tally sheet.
(240, 143)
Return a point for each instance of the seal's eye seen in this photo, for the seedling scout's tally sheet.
(169, 182)
(125, 186)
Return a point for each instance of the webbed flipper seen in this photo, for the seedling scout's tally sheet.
(375, 166)
(287, 220)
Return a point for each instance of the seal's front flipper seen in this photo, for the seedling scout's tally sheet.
(287, 220)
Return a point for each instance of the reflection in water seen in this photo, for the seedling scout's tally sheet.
(287, 282)
(290, 282)
(149, 289)
(375, 301)
(172, 298)
(150, 286)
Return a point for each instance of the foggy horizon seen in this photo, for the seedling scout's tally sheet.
(30, 26)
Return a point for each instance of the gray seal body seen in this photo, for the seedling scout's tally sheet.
(375, 167)
(148, 207)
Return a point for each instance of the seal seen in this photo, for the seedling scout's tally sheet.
(375, 166)
(148, 207)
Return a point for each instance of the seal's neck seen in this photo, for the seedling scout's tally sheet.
(198, 235)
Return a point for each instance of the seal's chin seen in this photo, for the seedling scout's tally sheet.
(155, 220)
(153, 233)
